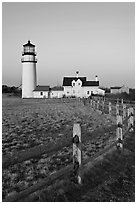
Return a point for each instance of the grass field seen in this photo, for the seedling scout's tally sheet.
(29, 123)
(110, 180)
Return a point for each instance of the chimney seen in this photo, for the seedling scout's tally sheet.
(96, 78)
(77, 72)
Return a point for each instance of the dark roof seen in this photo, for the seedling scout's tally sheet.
(42, 88)
(116, 87)
(68, 80)
(91, 83)
(57, 88)
(29, 44)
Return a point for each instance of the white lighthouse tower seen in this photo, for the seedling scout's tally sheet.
(29, 78)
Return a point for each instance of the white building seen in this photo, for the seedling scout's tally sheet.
(118, 90)
(101, 92)
(80, 87)
(57, 92)
(41, 92)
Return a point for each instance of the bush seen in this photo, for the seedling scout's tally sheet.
(14, 91)
(124, 95)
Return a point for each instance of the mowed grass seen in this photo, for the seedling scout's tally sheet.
(28, 123)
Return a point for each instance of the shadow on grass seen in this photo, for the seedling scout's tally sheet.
(109, 180)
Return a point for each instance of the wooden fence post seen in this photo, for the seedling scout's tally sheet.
(94, 105)
(109, 107)
(117, 109)
(128, 114)
(131, 119)
(124, 111)
(77, 151)
(103, 106)
(84, 101)
(91, 102)
(119, 132)
(98, 105)
(117, 100)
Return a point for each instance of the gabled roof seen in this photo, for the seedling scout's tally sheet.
(29, 44)
(42, 88)
(101, 89)
(91, 83)
(116, 87)
(57, 88)
(68, 80)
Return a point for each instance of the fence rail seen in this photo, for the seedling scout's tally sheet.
(124, 123)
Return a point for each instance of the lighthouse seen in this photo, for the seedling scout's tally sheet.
(29, 78)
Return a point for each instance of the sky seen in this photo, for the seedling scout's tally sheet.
(92, 38)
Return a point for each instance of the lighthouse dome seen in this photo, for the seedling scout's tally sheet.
(29, 44)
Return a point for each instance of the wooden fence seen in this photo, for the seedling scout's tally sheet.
(124, 123)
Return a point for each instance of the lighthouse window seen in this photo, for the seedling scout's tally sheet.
(41, 93)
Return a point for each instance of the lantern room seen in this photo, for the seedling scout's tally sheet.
(29, 54)
(29, 48)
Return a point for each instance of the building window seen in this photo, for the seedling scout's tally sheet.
(67, 92)
(41, 93)
(87, 92)
(73, 92)
(79, 84)
(73, 84)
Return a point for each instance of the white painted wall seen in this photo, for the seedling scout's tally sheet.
(88, 89)
(77, 88)
(100, 92)
(124, 89)
(68, 90)
(56, 94)
(37, 94)
(80, 91)
(29, 58)
(29, 79)
(114, 91)
(121, 90)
